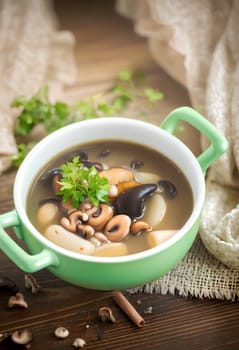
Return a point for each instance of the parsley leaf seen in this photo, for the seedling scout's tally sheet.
(38, 109)
(78, 183)
(153, 95)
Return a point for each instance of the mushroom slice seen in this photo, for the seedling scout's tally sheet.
(158, 237)
(155, 210)
(131, 201)
(68, 240)
(137, 227)
(75, 218)
(111, 250)
(117, 175)
(117, 228)
(99, 216)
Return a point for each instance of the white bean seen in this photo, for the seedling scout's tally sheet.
(47, 214)
(68, 240)
(155, 238)
(145, 177)
(111, 250)
(155, 210)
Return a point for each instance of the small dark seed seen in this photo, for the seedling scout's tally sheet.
(136, 164)
(104, 153)
(50, 174)
(113, 228)
(89, 164)
(168, 188)
(82, 155)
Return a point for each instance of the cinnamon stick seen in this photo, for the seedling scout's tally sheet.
(128, 309)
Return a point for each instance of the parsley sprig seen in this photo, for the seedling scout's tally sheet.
(129, 87)
(78, 183)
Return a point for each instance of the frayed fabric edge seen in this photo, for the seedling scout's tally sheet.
(204, 294)
(186, 293)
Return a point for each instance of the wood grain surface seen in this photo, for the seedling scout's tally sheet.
(105, 44)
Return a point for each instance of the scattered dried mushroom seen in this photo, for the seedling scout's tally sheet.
(31, 283)
(20, 338)
(61, 332)
(17, 301)
(79, 343)
(23, 337)
(148, 310)
(106, 314)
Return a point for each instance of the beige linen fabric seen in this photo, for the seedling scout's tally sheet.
(197, 43)
(32, 54)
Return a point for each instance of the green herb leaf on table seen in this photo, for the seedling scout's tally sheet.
(38, 109)
(78, 183)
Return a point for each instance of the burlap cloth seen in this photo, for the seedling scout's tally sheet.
(198, 44)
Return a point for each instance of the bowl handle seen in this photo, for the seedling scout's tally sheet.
(25, 261)
(219, 144)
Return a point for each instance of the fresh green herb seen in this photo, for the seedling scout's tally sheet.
(21, 154)
(78, 183)
(40, 110)
(153, 95)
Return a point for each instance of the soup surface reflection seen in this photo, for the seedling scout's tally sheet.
(148, 200)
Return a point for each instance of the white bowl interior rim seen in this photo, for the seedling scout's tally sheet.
(118, 128)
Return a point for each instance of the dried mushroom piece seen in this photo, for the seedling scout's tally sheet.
(79, 343)
(31, 283)
(106, 314)
(17, 300)
(61, 332)
(22, 337)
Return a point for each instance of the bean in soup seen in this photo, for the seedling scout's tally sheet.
(131, 198)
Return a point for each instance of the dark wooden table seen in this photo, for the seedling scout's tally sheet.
(106, 44)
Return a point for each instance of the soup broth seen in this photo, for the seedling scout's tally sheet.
(161, 200)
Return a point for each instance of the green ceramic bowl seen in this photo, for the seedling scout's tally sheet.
(115, 273)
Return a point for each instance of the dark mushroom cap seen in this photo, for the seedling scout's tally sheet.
(131, 201)
(89, 164)
(136, 164)
(50, 174)
(83, 156)
(168, 188)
